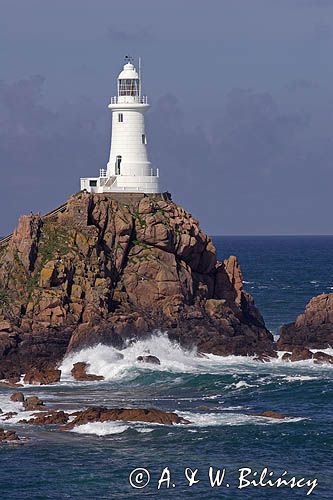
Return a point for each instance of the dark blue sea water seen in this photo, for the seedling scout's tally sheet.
(281, 272)
(215, 394)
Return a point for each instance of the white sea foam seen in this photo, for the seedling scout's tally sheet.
(113, 427)
(231, 419)
(101, 428)
(233, 408)
(8, 406)
(113, 364)
(241, 384)
(197, 420)
(300, 378)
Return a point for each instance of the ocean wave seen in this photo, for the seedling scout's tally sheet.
(7, 405)
(232, 419)
(114, 364)
(101, 428)
(241, 384)
(15, 408)
(119, 365)
(300, 378)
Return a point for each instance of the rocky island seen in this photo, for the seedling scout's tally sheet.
(313, 328)
(112, 268)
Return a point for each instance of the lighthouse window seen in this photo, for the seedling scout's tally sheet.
(120, 117)
(128, 86)
(144, 139)
(118, 162)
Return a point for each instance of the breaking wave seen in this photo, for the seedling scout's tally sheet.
(101, 428)
(114, 364)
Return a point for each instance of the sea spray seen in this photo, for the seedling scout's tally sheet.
(114, 364)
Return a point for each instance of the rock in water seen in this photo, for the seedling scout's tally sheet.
(101, 414)
(42, 377)
(79, 372)
(8, 436)
(301, 355)
(51, 418)
(17, 396)
(153, 360)
(110, 269)
(33, 403)
(268, 414)
(322, 357)
(312, 329)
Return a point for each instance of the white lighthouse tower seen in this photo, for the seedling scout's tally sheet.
(128, 169)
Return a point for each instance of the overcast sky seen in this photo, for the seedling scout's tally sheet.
(241, 122)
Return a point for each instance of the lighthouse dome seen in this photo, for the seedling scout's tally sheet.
(128, 73)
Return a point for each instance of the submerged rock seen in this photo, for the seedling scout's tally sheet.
(9, 415)
(262, 358)
(268, 414)
(153, 360)
(79, 373)
(312, 329)
(101, 414)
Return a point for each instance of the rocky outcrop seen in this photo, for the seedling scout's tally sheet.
(17, 397)
(49, 418)
(42, 377)
(105, 271)
(312, 329)
(33, 403)
(8, 436)
(303, 354)
(322, 358)
(79, 373)
(101, 414)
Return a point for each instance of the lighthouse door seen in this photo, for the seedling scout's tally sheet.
(118, 162)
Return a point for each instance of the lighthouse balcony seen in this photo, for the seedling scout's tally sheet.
(129, 99)
(122, 183)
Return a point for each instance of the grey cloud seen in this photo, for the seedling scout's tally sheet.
(141, 34)
(254, 164)
(302, 84)
(322, 32)
(252, 170)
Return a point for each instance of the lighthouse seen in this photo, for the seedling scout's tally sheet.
(128, 169)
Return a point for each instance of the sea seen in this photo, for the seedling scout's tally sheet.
(218, 395)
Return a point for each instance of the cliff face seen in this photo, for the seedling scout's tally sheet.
(106, 271)
(313, 328)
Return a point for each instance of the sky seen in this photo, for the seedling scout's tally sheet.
(241, 120)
